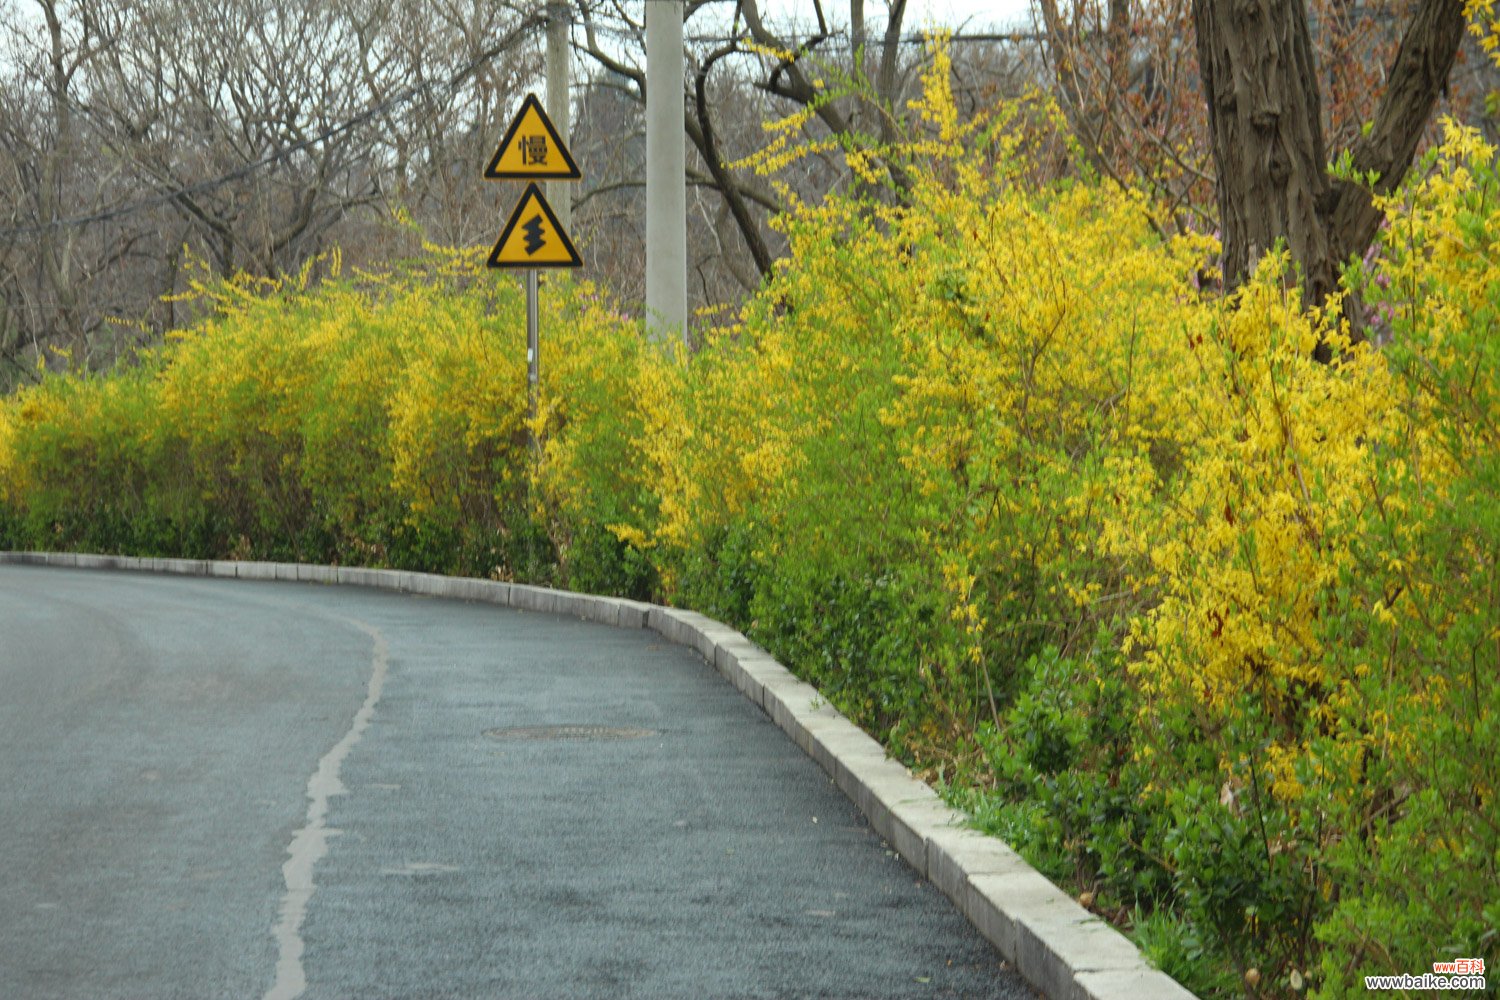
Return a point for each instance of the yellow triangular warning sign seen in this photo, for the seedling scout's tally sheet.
(531, 148)
(533, 237)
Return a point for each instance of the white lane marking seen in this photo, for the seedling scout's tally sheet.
(310, 843)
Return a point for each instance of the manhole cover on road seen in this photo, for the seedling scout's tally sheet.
(570, 733)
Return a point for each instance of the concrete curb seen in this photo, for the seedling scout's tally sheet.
(1062, 949)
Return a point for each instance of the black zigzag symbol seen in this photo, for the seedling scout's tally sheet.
(533, 231)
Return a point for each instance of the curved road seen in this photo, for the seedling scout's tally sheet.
(219, 788)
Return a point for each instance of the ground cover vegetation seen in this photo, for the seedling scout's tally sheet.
(1205, 626)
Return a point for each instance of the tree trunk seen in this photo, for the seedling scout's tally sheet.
(55, 244)
(1262, 89)
(1266, 124)
(1418, 76)
(1118, 34)
(857, 35)
(708, 148)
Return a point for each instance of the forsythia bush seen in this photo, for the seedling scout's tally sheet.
(1209, 630)
(380, 419)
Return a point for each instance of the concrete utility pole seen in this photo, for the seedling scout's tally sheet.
(666, 173)
(559, 64)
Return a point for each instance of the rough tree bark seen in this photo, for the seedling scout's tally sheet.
(1262, 88)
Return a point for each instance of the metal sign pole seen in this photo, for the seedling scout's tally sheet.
(533, 356)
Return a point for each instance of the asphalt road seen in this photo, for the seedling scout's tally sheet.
(218, 788)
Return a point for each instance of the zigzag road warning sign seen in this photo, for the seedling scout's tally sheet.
(533, 237)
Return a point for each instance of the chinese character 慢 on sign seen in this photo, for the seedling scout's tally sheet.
(534, 149)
